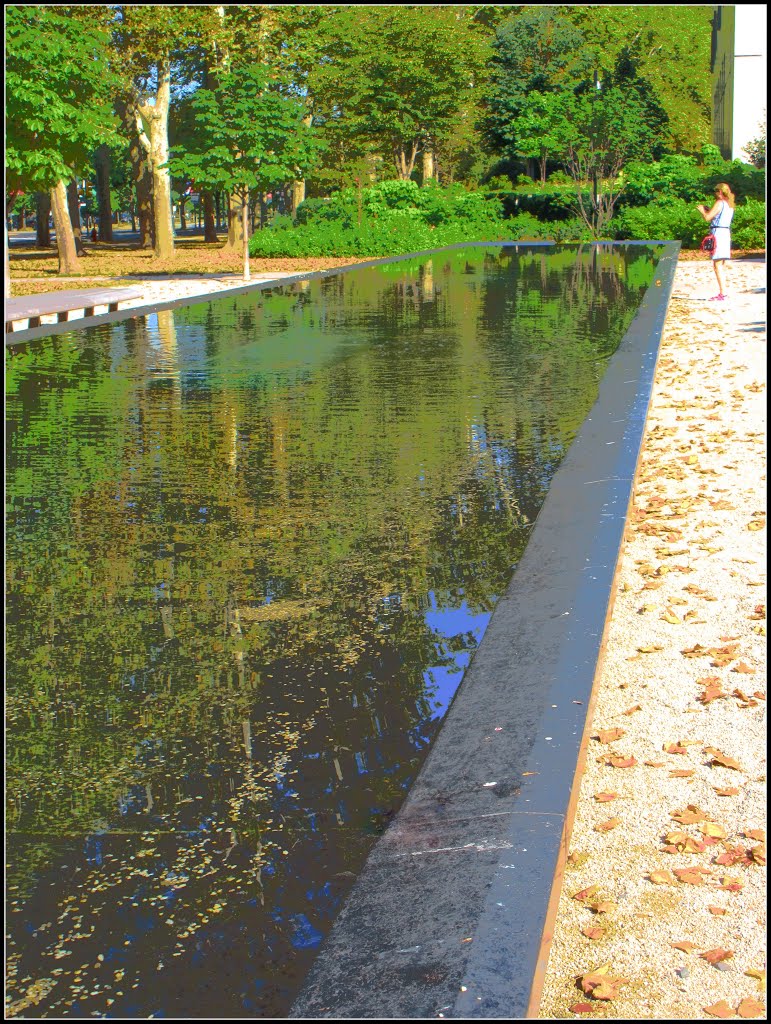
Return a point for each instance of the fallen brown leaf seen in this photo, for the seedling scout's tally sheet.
(721, 1009)
(716, 956)
(592, 932)
(717, 911)
(622, 762)
(661, 878)
(581, 1008)
(606, 826)
(718, 757)
(750, 1007)
(609, 735)
(585, 893)
(603, 798)
(685, 946)
(758, 853)
(710, 828)
(744, 668)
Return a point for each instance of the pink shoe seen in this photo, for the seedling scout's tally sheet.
(717, 298)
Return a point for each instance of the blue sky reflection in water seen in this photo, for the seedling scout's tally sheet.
(252, 545)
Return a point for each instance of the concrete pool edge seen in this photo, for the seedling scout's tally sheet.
(452, 913)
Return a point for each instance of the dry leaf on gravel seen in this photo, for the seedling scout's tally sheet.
(721, 1009)
(719, 758)
(716, 956)
(606, 826)
(584, 894)
(661, 878)
(750, 1007)
(609, 735)
(684, 945)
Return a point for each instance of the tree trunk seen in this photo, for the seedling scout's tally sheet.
(405, 164)
(245, 230)
(7, 263)
(143, 184)
(209, 222)
(182, 217)
(235, 225)
(102, 164)
(429, 167)
(298, 194)
(156, 145)
(73, 205)
(65, 239)
(43, 212)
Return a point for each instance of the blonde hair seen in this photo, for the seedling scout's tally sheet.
(723, 191)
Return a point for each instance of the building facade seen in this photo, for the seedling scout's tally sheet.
(738, 77)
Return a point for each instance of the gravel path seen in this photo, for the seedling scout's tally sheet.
(669, 833)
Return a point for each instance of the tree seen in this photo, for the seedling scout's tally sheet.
(245, 135)
(398, 78)
(158, 47)
(537, 54)
(671, 44)
(58, 89)
(607, 125)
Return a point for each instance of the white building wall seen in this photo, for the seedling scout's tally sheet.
(749, 92)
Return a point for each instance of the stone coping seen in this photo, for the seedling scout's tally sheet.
(449, 914)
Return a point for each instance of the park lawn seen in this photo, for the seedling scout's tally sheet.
(35, 270)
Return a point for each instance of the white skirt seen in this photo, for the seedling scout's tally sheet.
(722, 250)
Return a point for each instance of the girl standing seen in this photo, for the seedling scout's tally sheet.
(720, 217)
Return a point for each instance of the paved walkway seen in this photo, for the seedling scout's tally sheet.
(662, 909)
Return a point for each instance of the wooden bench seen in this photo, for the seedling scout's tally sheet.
(61, 304)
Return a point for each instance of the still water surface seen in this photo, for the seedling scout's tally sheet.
(252, 545)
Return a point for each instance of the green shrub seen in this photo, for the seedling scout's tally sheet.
(392, 217)
(525, 227)
(681, 221)
(664, 219)
(748, 230)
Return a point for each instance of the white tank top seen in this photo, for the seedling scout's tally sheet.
(724, 217)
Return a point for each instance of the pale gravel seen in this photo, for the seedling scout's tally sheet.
(705, 441)
(167, 289)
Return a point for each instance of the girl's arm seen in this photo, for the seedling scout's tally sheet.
(709, 214)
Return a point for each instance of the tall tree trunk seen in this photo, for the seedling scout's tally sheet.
(235, 225)
(429, 167)
(102, 165)
(143, 181)
(65, 239)
(298, 194)
(7, 263)
(209, 221)
(182, 216)
(42, 213)
(405, 164)
(73, 205)
(245, 230)
(156, 145)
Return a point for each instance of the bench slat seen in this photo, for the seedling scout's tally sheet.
(28, 306)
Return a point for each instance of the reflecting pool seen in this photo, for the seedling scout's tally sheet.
(251, 546)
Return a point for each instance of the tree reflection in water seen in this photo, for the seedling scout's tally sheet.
(251, 546)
